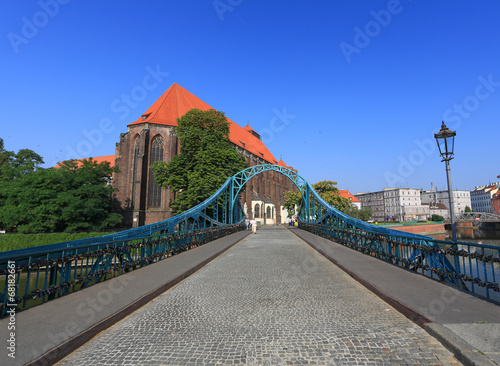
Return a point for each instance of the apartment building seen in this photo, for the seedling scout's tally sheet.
(461, 199)
(395, 204)
(495, 204)
(481, 197)
(374, 200)
(403, 204)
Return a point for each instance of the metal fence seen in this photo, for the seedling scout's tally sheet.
(472, 267)
(33, 276)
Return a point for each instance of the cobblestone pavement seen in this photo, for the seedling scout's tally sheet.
(270, 300)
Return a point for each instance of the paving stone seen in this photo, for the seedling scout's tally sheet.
(270, 300)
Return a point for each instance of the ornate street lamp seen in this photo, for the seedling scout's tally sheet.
(446, 143)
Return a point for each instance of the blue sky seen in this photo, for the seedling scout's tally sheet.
(350, 91)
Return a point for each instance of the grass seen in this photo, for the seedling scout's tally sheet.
(21, 241)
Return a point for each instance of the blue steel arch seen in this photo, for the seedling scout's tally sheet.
(239, 180)
(221, 214)
(413, 250)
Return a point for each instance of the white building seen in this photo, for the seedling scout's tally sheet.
(437, 209)
(403, 204)
(395, 204)
(461, 199)
(481, 197)
(264, 211)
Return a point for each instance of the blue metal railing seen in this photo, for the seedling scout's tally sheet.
(34, 276)
(473, 267)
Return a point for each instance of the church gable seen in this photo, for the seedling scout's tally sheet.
(152, 138)
(177, 101)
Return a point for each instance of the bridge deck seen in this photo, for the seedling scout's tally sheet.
(270, 299)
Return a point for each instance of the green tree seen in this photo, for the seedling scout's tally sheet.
(75, 197)
(467, 209)
(86, 197)
(5, 161)
(326, 189)
(15, 165)
(364, 214)
(435, 217)
(205, 161)
(31, 203)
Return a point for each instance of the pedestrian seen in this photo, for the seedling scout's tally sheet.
(253, 222)
(247, 223)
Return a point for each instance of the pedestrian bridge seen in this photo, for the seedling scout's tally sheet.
(263, 299)
(477, 216)
(39, 275)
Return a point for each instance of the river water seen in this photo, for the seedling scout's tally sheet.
(469, 235)
(486, 271)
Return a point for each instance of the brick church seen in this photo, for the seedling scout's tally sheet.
(152, 138)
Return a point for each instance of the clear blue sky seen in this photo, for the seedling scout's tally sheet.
(361, 85)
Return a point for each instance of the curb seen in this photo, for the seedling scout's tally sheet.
(462, 350)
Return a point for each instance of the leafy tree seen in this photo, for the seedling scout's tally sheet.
(87, 195)
(292, 199)
(435, 217)
(5, 160)
(205, 161)
(363, 214)
(326, 189)
(31, 203)
(75, 197)
(13, 168)
(467, 209)
(14, 165)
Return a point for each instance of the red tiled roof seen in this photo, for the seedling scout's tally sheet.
(176, 101)
(99, 159)
(348, 195)
(282, 163)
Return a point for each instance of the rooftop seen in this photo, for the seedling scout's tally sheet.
(176, 101)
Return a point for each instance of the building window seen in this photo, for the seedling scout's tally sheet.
(156, 155)
(134, 171)
(269, 214)
(256, 211)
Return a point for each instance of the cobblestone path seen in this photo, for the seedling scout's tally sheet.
(269, 300)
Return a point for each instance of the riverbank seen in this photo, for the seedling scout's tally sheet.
(424, 229)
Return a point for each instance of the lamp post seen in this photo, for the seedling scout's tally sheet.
(446, 143)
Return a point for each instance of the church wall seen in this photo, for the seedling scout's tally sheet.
(133, 179)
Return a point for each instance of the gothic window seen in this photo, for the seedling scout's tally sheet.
(134, 168)
(269, 215)
(156, 155)
(256, 211)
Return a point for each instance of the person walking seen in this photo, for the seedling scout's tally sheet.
(253, 222)
(247, 223)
